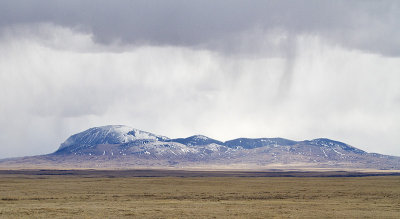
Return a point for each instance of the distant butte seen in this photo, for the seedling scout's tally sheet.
(117, 146)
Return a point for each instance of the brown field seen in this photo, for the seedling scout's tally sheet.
(112, 194)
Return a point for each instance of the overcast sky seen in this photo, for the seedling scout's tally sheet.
(225, 69)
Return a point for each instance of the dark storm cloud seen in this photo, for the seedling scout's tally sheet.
(372, 26)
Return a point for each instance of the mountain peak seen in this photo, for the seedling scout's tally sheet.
(200, 137)
(197, 140)
(325, 142)
(110, 134)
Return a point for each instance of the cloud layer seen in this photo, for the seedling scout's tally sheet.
(365, 25)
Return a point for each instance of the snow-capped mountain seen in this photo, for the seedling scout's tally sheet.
(123, 146)
(111, 134)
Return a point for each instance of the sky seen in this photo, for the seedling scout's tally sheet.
(225, 69)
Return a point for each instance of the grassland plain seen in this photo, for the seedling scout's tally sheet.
(72, 196)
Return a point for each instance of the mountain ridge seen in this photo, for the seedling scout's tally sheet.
(119, 134)
(125, 147)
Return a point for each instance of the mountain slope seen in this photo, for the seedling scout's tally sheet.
(125, 147)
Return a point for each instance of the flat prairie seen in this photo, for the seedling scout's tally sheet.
(112, 194)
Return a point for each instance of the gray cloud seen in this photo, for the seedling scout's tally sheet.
(365, 25)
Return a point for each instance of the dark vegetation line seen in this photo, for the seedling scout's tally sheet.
(185, 173)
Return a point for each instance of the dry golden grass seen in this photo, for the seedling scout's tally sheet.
(198, 197)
